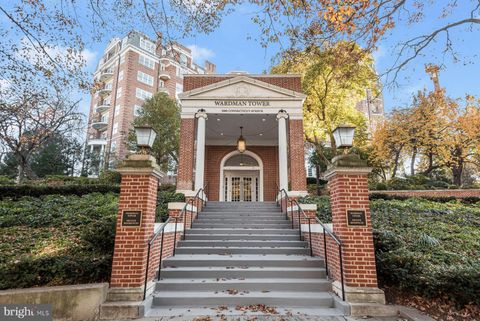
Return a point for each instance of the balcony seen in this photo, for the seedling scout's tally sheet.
(106, 74)
(102, 108)
(104, 91)
(163, 90)
(97, 142)
(164, 75)
(100, 124)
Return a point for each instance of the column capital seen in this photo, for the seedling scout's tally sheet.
(201, 114)
(282, 114)
(349, 164)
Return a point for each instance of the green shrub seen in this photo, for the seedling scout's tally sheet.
(110, 177)
(425, 247)
(18, 191)
(5, 180)
(163, 198)
(324, 211)
(56, 239)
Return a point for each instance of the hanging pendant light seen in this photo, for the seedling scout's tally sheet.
(241, 142)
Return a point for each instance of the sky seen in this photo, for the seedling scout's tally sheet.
(232, 46)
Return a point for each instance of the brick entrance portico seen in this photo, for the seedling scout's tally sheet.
(269, 108)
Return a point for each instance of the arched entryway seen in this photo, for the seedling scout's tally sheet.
(241, 177)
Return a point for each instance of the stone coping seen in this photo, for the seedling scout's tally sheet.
(305, 207)
(180, 205)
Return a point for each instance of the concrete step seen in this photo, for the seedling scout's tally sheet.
(263, 285)
(230, 312)
(242, 250)
(244, 225)
(260, 237)
(239, 272)
(242, 220)
(242, 215)
(243, 260)
(242, 231)
(243, 243)
(241, 210)
(281, 298)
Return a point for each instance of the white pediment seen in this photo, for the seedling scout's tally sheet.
(241, 87)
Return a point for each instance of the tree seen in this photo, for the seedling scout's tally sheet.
(60, 155)
(389, 142)
(443, 133)
(335, 78)
(30, 119)
(163, 114)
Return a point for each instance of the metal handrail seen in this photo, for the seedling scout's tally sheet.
(149, 247)
(162, 228)
(325, 229)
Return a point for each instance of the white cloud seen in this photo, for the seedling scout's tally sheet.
(90, 58)
(379, 54)
(200, 53)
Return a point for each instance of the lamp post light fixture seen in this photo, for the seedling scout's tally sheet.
(145, 138)
(241, 142)
(343, 136)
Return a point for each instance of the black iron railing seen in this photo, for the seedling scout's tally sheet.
(283, 197)
(199, 198)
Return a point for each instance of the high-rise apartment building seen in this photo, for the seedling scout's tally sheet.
(131, 70)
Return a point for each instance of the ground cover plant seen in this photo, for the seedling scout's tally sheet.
(425, 248)
(56, 239)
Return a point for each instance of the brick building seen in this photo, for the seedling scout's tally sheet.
(267, 111)
(131, 70)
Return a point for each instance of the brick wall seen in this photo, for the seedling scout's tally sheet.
(130, 253)
(292, 82)
(297, 156)
(186, 154)
(269, 156)
(350, 191)
(458, 193)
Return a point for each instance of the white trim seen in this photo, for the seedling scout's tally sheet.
(259, 168)
(305, 207)
(180, 206)
(228, 82)
(170, 228)
(316, 228)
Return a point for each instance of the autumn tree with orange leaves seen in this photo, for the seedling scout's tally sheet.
(438, 132)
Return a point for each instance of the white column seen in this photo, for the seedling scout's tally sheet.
(282, 117)
(200, 155)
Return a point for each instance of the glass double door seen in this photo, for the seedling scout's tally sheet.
(241, 188)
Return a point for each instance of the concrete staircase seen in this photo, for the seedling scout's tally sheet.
(240, 254)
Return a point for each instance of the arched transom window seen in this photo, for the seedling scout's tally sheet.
(241, 160)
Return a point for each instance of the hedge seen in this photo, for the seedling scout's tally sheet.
(439, 199)
(18, 191)
(424, 247)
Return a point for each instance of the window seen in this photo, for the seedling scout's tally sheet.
(117, 110)
(143, 94)
(119, 92)
(122, 58)
(120, 76)
(113, 147)
(183, 59)
(162, 67)
(137, 110)
(241, 160)
(147, 45)
(178, 89)
(179, 72)
(115, 128)
(108, 85)
(161, 84)
(146, 79)
(147, 62)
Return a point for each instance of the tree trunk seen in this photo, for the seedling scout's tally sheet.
(22, 164)
(412, 162)
(317, 174)
(395, 166)
(457, 171)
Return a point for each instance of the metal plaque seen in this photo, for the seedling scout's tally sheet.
(131, 218)
(356, 218)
